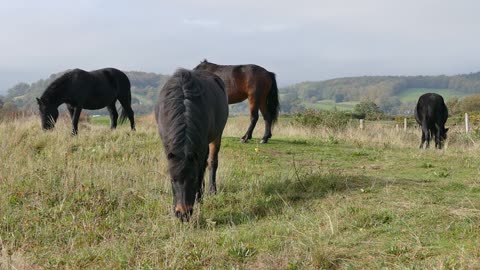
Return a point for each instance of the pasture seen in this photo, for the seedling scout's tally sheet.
(412, 94)
(309, 199)
(329, 104)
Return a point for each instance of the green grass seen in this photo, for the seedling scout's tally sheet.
(102, 200)
(104, 120)
(328, 104)
(412, 95)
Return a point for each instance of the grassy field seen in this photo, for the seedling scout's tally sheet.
(310, 199)
(328, 104)
(412, 95)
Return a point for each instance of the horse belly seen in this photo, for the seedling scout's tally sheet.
(97, 103)
(236, 97)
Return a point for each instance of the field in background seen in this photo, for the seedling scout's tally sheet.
(310, 199)
(329, 104)
(412, 95)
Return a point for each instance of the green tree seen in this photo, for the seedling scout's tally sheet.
(19, 89)
(367, 109)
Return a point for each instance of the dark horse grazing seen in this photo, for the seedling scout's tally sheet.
(92, 90)
(431, 114)
(252, 82)
(191, 113)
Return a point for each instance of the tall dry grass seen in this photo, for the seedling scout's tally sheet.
(375, 134)
(351, 199)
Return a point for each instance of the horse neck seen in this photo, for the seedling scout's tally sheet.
(55, 97)
(212, 67)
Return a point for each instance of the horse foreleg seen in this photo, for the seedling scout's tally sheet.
(253, 122)
(201, 181)
(214, 147)
(71, 110)
(75, 119)
(112, 110)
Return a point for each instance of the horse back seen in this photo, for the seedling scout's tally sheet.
(195, 100)
(114, 78)
(215, 102)
(431, 110)
(242, 81)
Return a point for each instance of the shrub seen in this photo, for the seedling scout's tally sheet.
(329, 119)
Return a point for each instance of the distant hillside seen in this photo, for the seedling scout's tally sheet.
(393, 94)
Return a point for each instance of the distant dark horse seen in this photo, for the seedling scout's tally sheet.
(252, 82)
(191, 113)
(92, 90)
(431, 114)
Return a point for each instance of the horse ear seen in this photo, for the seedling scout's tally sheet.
(39, 101)
(205, 60)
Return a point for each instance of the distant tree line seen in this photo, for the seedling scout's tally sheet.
(373, 87)
(382, 90)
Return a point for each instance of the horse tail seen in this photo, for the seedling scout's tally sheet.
(123, 115)
(273, 105)
(127, 96)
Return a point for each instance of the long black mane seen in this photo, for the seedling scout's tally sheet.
(51, 93)
(184, 115)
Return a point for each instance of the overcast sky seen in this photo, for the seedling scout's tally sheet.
(298, 40)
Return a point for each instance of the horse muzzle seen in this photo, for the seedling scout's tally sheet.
(183, 212)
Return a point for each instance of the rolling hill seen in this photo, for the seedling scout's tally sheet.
(393, 94)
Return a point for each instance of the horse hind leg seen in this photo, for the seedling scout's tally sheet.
(268, 123)
(253, 121)
(112, 110)
(428, 137)
(423, 139)
(214, 148)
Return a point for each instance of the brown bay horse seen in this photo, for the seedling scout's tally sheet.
(191, 113)
(252, 82)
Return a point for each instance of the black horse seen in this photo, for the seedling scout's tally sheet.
(191, 113)
(92, 90)
(255, 83)
(431, 114)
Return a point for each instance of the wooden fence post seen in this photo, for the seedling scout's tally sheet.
(466, 123)
(397, 128)
(404, 124)
(362, 124)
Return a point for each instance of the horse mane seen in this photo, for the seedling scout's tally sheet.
(51, 93)
(183, 114)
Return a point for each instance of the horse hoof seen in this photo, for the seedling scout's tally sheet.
(263, 141)
(243, 140)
